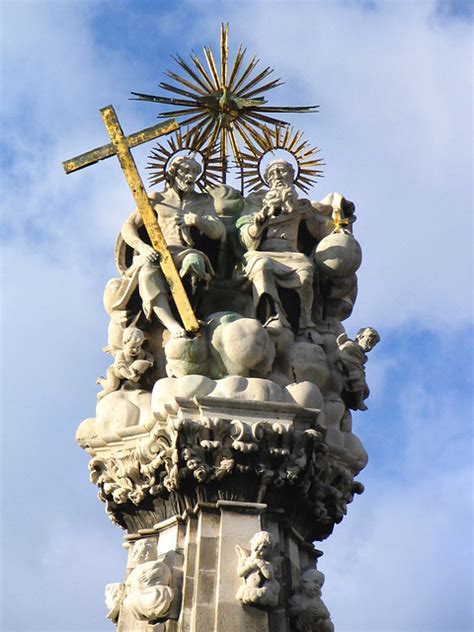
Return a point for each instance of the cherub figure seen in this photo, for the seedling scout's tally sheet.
(129, 365)
(307, 607)
(259, 588)
(113, 600)
(353, 357)
(148, 594)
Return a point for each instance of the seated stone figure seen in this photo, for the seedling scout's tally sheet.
(129, 365)
(280, 231)
(186, 218)
(272, 260)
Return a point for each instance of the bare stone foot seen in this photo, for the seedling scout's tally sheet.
(177, 331)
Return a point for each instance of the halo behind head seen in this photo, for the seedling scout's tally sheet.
(162, 159)
(286, 139)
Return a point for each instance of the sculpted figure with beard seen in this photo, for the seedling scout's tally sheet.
(186, 217)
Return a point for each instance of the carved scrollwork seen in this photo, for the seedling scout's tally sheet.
(186, 453)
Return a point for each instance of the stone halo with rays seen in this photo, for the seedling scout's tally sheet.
(161, 156)
(227, 105)
(286, 139)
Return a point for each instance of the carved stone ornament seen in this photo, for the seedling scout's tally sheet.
(306, 606)
(148, 595)
(195, 456)
(228, 401)
(259, 586)
(114, 594)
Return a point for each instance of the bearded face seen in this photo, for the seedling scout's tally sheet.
(187, 172)
(280, 175)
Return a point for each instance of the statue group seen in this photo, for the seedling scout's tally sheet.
(271, 277)
(250, 416)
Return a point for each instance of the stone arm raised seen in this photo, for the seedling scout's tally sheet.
(318, 220)
(250, 231)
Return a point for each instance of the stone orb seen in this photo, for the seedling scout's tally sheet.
(338, 254)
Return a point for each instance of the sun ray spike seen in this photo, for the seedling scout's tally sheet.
(236, 67)
(253, 62)
(180, 91)
(202, 84)
(172, 75)
(235, 146)
(202, 70)
(259, 77)
(224, 53)
(212, 66)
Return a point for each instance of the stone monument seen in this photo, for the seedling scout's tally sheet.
(222, 439)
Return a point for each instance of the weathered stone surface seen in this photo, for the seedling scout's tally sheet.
(240, 434)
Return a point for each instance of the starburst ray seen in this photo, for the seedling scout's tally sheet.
(224, 103)
(224, 53)
(259, 77)
(202, 89)
(202, 70)
(184, 93)
(248, 70)
(212, 67)
(236, 67)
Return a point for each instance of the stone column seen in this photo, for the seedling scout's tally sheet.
(205, 555)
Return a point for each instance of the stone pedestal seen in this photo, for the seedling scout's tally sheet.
(199, 547)
(221, 500)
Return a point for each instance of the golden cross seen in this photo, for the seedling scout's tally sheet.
(120, 147)
(338, 221)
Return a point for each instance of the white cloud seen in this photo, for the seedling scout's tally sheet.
(393, 86)
(61, 587)
(403, 561)
(394, 121)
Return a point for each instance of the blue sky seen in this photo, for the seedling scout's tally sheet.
(393, 81)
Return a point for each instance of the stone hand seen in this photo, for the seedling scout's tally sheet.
(149, 253)
(261, 216)
(190, 219)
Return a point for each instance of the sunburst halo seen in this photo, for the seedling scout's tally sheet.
(226, 106)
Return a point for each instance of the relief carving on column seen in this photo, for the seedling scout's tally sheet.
(114, 594)
(259, 586)
(148, 595)
(306, 607)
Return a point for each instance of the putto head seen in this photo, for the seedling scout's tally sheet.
(312, 581)
(261, 544)
(132, 339)
(367, 338)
